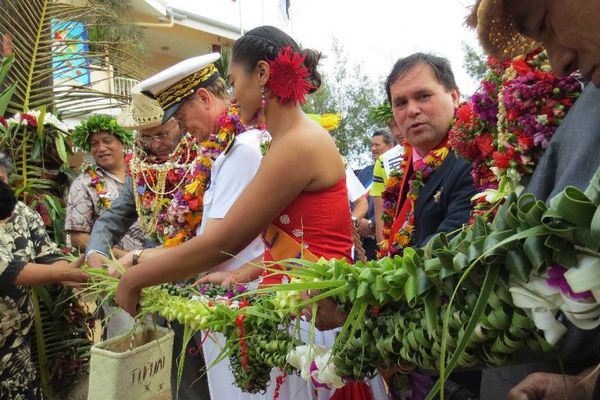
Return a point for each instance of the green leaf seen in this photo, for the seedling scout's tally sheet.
(59, 140)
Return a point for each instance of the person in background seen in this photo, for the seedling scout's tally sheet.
(99, 184)
(381, 141)
(385, 164)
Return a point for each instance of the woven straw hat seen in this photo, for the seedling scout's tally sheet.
(497, 30)
(142, 113)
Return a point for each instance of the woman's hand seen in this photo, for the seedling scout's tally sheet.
(128, 295)
(69, 273)
(223, 278)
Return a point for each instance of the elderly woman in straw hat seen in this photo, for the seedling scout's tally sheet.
(569, 31)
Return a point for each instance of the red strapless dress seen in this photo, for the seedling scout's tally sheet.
(320, 222)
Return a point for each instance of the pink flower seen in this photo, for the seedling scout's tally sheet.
(556, 278)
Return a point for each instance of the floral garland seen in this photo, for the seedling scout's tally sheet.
(169, 196)
(505, 127)
(390, 196)
(98, 184)
(33, 118)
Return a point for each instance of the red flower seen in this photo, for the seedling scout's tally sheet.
(42, 209)
(525, 142)
(193, 204)
(485, 143)
(288, 80)
(521, 66)
(30, 119)
(503, 158)
(172, 177)
(512, 114)
(3, 121)
(244, 303)
(465, 112)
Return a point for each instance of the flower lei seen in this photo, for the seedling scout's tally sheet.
(98, 184)
(505, 127)
(169, 196)
(402, 238)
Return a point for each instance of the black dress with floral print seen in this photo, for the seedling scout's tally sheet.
(23, 239)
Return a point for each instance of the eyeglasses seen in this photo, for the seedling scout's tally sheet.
(161, 137)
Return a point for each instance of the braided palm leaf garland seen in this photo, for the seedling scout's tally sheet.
(444, 306)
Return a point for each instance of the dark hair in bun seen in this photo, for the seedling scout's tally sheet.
(264, 43)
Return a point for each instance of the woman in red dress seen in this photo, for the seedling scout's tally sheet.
(299, 191)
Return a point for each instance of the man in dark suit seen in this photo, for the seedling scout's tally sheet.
(424, 96)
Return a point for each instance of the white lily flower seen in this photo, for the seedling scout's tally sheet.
(327, 373)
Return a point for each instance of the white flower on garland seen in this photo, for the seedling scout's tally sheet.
(326, 372)
(302, 357)
(315, 364)
(49, 119)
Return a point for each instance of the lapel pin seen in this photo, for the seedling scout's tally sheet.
(437, 196)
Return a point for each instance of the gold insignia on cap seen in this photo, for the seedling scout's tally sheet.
(185, 87)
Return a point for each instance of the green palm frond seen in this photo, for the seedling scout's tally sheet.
(62, 342)
(8, 91)
(52, 50)
(222, 64)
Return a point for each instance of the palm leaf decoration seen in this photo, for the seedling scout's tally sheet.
(62, 52)
(62, 342)
(64, 56)
(222, 64)
(6, 94)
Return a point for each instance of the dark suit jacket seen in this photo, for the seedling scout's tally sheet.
(571, 159)
(445, 201)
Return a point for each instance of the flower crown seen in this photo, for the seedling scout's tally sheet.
(288, 80)
(99, 123)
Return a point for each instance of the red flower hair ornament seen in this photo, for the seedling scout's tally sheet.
(288, 76)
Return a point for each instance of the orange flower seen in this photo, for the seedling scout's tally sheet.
(193, 218)
(175, 241)
(401, 239)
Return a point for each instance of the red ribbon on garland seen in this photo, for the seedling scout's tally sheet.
(240, 323)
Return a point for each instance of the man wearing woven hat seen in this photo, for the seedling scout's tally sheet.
(163, 152)
(159, 146)
(196, 96)
(569, 32)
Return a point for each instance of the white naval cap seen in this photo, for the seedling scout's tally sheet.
(174, 84)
